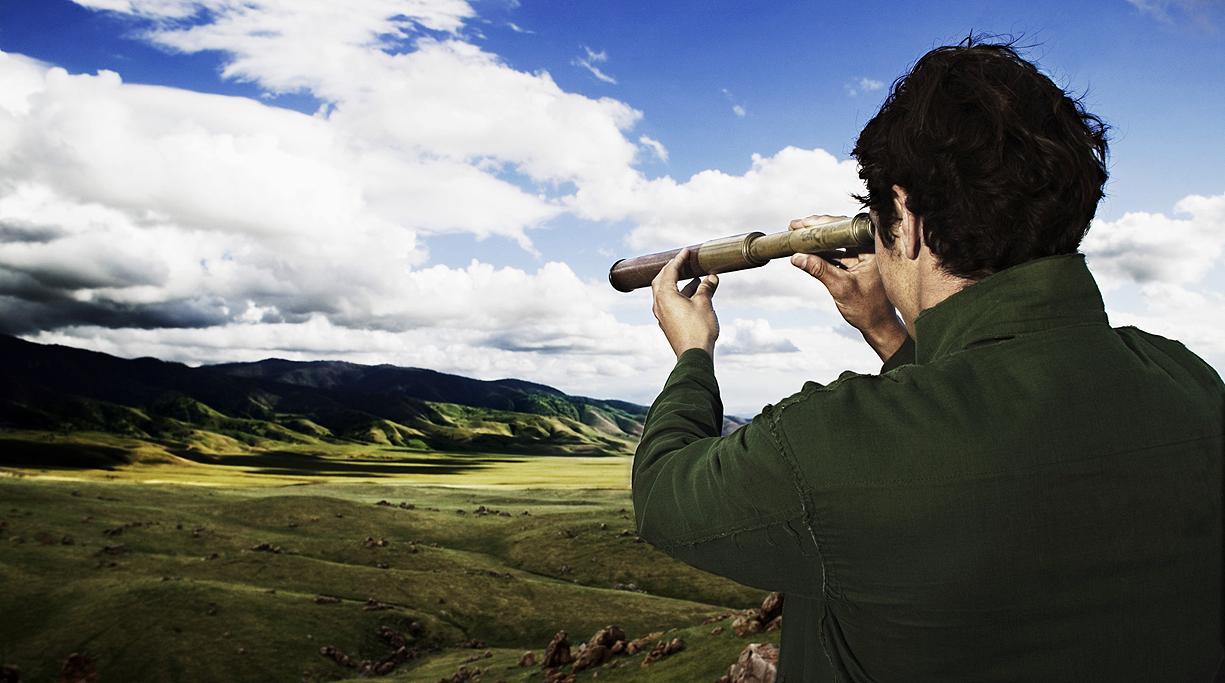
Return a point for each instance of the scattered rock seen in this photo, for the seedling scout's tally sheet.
(78, 668)
(607, 637)
(373, 605)
(271, 591)
(407, 506)
(716, 630)
(558, 676)
(566, 533)
(388, 663)
(591, 656)
(383, 503)
(112, 532)
(212, 609)
(212, 556)
(197, 532)
(768, 618)
(663, 649)
(473, 658)
(757, 663)
(636, 646)
(325, 600)
(528, 659)
(473, 644)
(565, 569)
(293, 525)
(336, 656)
(631, 587)
(45, 538)
(558, 652)
(16, 539)
(460, 512)
(624, 532)
(462, 674)
(715, 620)
(393, 638)
(67, 540)
(339, 516)
(382, 565)
(242, 650)
(265, 548)
(117, 549)
(637, 539)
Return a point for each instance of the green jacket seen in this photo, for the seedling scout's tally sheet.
(1023, 494)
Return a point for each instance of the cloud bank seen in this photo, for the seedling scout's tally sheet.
(149, 220)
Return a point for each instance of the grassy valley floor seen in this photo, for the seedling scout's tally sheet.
(159, 578)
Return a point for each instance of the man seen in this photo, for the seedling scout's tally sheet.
(1023, 493)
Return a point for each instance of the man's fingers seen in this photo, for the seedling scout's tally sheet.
(708, 286)
(691, 287)
(810, 263)
(801, 223)
(668, 275)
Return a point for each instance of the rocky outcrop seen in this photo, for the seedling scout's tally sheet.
(558, 652)
(663, 649)
(336, 655)
(609, 641)
(758, 663)
(768, 618)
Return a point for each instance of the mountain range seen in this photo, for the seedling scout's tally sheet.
(237, 406)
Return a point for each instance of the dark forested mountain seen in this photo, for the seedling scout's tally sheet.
(57, 388)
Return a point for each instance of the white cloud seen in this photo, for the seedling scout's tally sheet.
(589, 63)
(863, 85)
(655, 146)
(791, 184)
(1144, 248)
(1199, 11)
(737, 108)
(753, 336)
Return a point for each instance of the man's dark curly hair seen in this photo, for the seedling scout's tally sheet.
(1002, 166)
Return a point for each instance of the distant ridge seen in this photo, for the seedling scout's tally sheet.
(514, 395)
(233, 406)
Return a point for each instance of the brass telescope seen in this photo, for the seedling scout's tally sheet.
(741, 252)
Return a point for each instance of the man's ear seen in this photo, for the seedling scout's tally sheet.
(910, 228)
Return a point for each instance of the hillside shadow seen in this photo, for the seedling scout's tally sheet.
(289, 463)
(42, 454)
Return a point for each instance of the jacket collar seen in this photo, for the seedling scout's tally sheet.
(1039, 295)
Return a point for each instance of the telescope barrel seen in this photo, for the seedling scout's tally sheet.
(741, 252)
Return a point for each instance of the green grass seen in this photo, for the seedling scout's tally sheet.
(146, 616)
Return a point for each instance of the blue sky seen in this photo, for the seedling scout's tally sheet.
(444, 184)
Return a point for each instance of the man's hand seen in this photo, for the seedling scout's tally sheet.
(686, 316)
(858, 292)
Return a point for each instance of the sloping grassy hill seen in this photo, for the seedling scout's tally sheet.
(220, 583)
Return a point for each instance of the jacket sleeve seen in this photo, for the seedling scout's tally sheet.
(728, 505)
